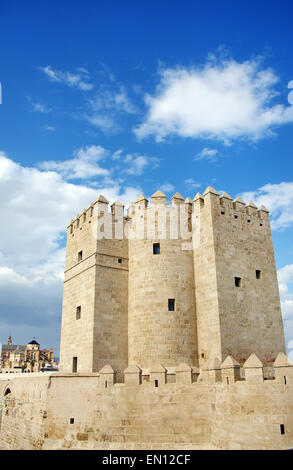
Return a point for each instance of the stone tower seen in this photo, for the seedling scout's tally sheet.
(193, 282)
(236, 289)
(161, 309)
(95, 298)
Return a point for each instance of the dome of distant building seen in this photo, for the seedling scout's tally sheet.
(34, 342)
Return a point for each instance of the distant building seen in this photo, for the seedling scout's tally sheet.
(29, 357)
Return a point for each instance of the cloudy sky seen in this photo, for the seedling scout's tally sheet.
(118, 98)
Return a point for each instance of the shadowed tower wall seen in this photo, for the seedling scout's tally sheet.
(238, 305)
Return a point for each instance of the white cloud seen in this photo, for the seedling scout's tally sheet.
(79, 80)
(110, 102)
(285, 278)
(112, 99)
(207, 154)
(116, 155)
(104, 106)
(9, 276)
(46, 127)
(191, 183)
(41, 108)
(223, 101)
(136, 164)
(37, 106)
(84, 165)
(167, 187)
(122, 102)
(105, 123)
(278, 198)
(287, 309)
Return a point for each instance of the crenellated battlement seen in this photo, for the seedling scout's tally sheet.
(95, 209)
(182, 210)
(236, 210)
(227, 372)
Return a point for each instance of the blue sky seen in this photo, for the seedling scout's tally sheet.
(126, 97)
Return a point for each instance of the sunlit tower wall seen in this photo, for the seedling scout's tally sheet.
(161, 310)
(95, 298)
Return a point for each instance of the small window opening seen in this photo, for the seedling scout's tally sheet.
(222, 212)
(258, 274)
(74, 365)
(71, 421)
(156, 383)
(79, 257)
(156, 248)
(282, 428)
(171, 305)
(227, 380)
(285, 381)
(237, 281)
(235, 216)
(78, 312)
(120, 260)
(202, 355)
(248, 220)
(106, 384)
(7, 391)
(260, 225)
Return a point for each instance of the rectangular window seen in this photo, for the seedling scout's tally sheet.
(120, 260)
(238, 282)
(79, 256)
(156, 383)
(74, 365)
(171, 305)
(71, 420)
(156, 248)
(282, 428)
(78, 312)
(258, 274)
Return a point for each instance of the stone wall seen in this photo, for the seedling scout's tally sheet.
(91, 411)
(23, 411)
